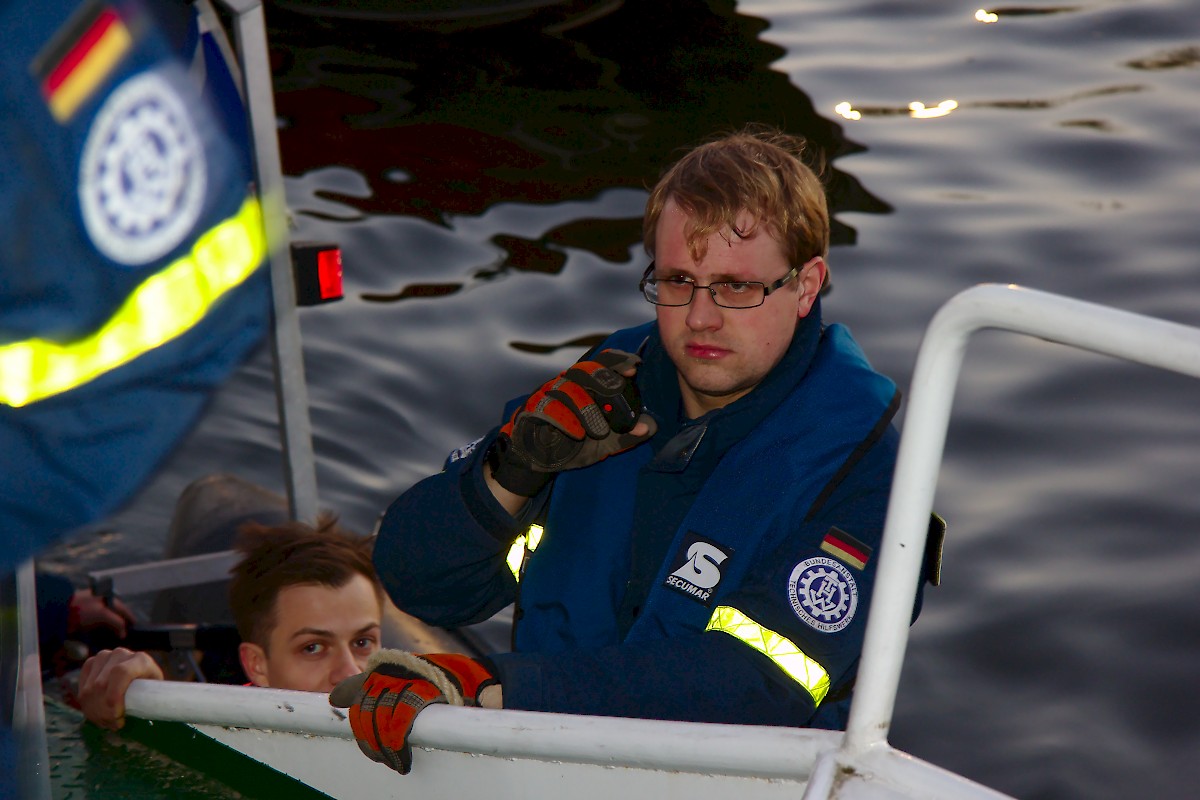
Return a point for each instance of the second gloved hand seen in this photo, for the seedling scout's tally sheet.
(582, 416)
(384, 701)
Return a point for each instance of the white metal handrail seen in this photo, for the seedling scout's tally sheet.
(1087, 326)
(250, 34)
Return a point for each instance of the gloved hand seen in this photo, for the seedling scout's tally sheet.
(582, 416)
(384, 701)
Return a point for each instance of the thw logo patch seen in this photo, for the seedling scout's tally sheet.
(697, 568)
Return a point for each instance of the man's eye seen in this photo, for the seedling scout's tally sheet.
(676, 280)
(738, 287)
(365, 643)
(312, 648)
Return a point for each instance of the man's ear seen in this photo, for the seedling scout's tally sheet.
(810, 279)
(254, 663)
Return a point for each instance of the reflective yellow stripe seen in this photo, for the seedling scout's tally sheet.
(791, 659)
(516, 554)
(535, 536)
(163, 307)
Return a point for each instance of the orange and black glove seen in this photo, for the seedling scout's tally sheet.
(384, 701)
(582, 416)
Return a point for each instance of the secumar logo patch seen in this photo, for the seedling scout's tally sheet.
(823, 593)
(698, 568)
(143, 172)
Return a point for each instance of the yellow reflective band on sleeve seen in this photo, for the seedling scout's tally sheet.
(165, 306)
(535, 536)
(516, 554)
(786, 655)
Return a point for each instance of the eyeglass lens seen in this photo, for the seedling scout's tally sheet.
(730, 294)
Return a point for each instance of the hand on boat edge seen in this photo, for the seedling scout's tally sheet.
(384, 701)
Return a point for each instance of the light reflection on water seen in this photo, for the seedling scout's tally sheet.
(488, 208)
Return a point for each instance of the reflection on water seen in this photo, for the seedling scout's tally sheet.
(521, 115)
(487, 189)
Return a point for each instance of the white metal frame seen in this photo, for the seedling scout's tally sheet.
(250, 37)
(1087, 326)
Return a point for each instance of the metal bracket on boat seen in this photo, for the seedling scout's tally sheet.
(167, 574)
(180, 642)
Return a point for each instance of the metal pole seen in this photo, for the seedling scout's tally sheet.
(291, 391)
(29, 715)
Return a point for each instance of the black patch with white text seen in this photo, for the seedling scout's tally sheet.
(697, 568)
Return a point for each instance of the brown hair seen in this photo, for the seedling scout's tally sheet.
(292, 553)
(758, 169)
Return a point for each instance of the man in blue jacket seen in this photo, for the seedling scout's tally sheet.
(706, 492)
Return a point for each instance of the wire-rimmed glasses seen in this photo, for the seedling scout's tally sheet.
(679, 291)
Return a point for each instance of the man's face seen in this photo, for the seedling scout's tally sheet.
(723, 353)
(321, 636)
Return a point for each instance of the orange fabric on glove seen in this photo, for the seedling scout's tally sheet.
(384, 701)
(384, 717)
(582, 416)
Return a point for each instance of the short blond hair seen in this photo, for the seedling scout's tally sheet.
(759, 170)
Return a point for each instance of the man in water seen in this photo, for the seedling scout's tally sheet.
(706, 491)
(307, 605)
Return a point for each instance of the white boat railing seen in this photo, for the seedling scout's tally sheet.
(250, 37)
(28, 712)
(1087, 326)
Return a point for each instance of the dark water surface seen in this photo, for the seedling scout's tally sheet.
(487, 188)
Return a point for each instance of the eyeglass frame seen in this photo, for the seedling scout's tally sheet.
(767, 288)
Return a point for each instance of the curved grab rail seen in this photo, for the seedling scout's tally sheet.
(1133, 337)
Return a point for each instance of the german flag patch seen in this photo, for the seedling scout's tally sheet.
(80, 56)
(845, 547)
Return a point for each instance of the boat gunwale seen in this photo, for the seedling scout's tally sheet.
(758, 751)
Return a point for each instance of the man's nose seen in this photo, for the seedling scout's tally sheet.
(344, 666)
(703, 311)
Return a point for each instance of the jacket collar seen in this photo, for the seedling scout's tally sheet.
(679, 439)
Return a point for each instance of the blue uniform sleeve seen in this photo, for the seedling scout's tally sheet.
(702, 677)
(441, 547)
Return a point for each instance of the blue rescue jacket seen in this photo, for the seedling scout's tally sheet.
(721, 572)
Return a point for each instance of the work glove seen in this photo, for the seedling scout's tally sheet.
(582, 416)
(384, 701)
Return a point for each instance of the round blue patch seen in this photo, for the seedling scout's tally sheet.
(143, 172)
(823, 593)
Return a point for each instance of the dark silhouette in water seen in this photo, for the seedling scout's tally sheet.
(453, 123)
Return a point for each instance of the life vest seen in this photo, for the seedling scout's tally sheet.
(759, 493)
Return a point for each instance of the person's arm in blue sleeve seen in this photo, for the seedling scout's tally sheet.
(702, 677)
(442, 546)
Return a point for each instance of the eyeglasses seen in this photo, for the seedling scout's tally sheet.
(678, 291)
